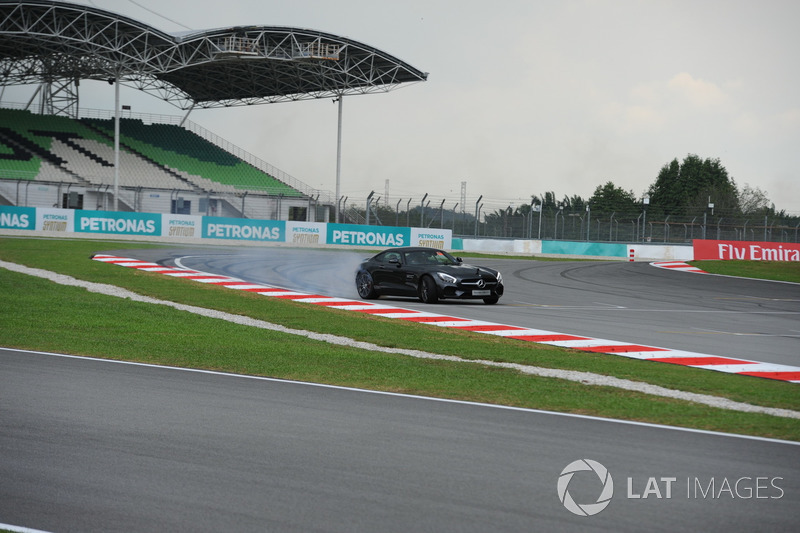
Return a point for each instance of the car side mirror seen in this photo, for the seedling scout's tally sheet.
(459, 260)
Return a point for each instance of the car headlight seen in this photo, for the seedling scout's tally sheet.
(447, 278)
(499, 278)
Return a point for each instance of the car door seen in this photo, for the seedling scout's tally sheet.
(387, 274)
(415, 265)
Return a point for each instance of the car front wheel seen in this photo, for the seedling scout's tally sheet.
(427, 291)
(365, 286)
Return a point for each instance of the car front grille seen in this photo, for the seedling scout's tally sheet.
(475, 282)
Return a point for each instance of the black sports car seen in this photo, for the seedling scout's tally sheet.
(427, 273)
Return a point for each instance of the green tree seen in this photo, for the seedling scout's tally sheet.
(546, 200)
(576, 203)
(688, 186)
(753, 200)
(609, 198)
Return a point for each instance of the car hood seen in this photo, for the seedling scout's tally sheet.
(467, 271)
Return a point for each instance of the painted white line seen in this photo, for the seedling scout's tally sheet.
(588, 343)
(566, 342)
(523, 333)
(360, 307)
(598, 307)
(586, 378)
(155, 269)
(751, 367)
(426, 398)
(315, 300)
(695, 270)
(644, 356)
(18, 529)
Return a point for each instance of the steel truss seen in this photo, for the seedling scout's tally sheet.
(57, 44)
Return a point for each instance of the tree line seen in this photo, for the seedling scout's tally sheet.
(692, 198)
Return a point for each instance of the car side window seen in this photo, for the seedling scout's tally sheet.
(388, 257)
(416, 258)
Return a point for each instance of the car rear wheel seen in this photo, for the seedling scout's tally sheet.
(365, 286)
(491, 300)
(427, 291)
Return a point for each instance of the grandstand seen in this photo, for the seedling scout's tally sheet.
(69, 158)
(158, 162)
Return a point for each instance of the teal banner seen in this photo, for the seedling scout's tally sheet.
(245, 229)
(118, 223)
(356, 235)
(585, 248)
(17, 217)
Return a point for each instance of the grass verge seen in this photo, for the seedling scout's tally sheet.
(772, 270)
(37, 314)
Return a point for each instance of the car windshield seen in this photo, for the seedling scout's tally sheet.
(430, 257)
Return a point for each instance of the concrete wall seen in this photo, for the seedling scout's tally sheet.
(182, 228)
(594, 250)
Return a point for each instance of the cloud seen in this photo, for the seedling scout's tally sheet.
(790, 119)
(657, 106)
(701, 94)
(537, 96)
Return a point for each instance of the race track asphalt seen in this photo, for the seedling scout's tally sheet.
(99, 446)
(90, 445)
(621, 301)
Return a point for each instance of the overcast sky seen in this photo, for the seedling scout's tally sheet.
(523, 96)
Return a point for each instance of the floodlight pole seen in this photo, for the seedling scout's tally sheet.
(369, 199)
(339, 156)
(477, 214)
(397, 213)
(541, 208)
(116, 143)
(530, 221)
(588, 221)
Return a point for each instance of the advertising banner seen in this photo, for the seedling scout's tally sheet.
(310, 233)
(114, 222)
(353, 234)
(432, 238)
(55, 220)
(595, 249)
(244, 229)
(181, 226)
(746, 250)
(17, 217)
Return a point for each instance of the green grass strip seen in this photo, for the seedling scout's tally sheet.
(40, 315)
(772, 270)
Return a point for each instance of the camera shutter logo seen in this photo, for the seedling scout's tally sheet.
(588, 509)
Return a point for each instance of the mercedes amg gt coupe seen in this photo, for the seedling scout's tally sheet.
(428, 274)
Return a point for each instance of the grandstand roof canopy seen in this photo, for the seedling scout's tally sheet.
(46, 42)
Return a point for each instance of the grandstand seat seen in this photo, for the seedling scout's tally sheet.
(165, 156)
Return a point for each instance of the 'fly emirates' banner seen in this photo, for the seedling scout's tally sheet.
(747, 250)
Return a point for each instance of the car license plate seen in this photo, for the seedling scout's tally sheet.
(484, 292)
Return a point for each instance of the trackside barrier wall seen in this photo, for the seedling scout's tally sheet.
(190, 228)
(632, 252)
(747, 250)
